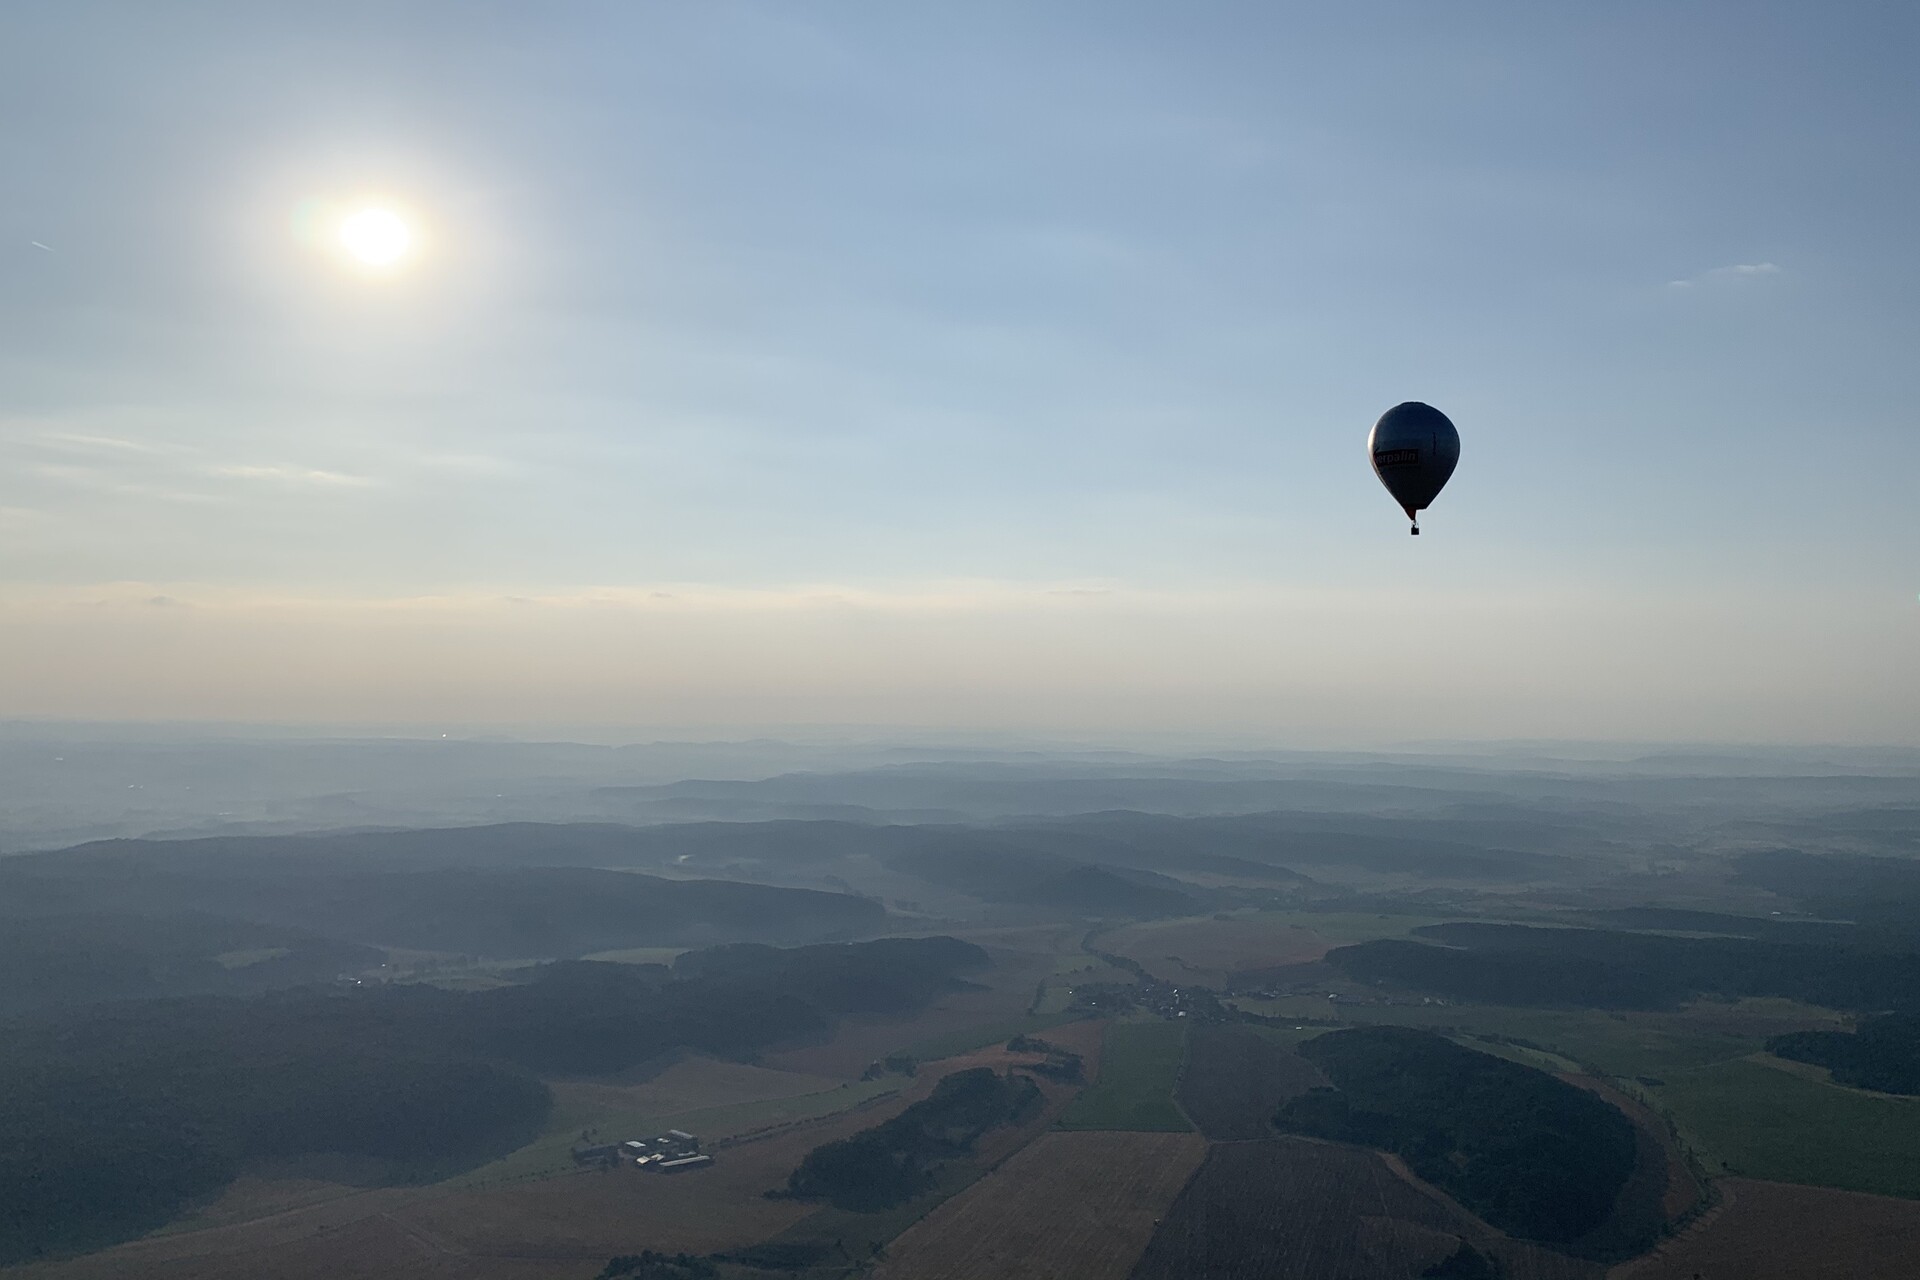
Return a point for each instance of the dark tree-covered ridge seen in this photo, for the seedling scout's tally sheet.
(1532, 1155)
(1615, 969)
(116, 1115)
(894, 1162)
(1882, 1054)
(518, 912)
(86, 957)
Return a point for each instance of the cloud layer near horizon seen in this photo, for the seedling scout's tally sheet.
(1332, 667)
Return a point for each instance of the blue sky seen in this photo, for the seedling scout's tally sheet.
(1008, 363)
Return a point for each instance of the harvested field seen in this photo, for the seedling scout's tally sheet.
(1773, 1231)
(1291, 1209)
(1139, 1067)
(1078, 1205)
(1208, 952)
(854, 1235)
(695, 1084)
(1236, 1078)
(999, 999)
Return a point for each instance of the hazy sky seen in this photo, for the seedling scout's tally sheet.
(987, 364)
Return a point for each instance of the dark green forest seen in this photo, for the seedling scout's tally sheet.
(1882, 1053)
(1881, 895)
(88, 957)
(117, 1115)
(1613, 969)
(1532, 1155)
(894, 1162)
(514, 912)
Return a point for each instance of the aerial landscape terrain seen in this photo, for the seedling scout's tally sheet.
(963, 1013)
(1087, 640)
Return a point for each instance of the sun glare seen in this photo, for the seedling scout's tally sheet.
(376, 237)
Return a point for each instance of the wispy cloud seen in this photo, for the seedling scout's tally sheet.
(1722, 275)
(291, 475)
(97, 444)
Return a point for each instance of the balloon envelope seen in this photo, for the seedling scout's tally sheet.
(1414, 449)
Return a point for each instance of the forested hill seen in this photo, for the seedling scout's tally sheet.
(116, 1115)
(487, 911)
(1611, 969)
(1881, 1054)
(893, 1162)
(1881, 894)
(1532, 1155)
(87, 957)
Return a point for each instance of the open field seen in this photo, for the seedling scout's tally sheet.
(998, 998)
(1079, 1205)
(546, 1220)
(1772, 1231)
(639, 955)
(693, 1082)
(856, 1235)
(1209, 951)
(1755, 1120)
(1235, 1078)
(980, 1035)
(533, 1228)
(1291, 1209)
(600, 1110)
(1615, 1044)
(1139, 1067)
(1343, 927)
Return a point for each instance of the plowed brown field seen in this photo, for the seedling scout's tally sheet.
(1774, 1231)
(1235, 1079)
(1071, 1206)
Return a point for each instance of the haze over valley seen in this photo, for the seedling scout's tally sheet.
(880, 985)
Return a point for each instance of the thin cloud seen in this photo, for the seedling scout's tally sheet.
(291, 475)
(98, 444)
(1720, 275)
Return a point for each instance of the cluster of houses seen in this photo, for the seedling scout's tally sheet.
(674, 1151)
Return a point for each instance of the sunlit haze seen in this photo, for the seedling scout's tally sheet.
(1001, 366)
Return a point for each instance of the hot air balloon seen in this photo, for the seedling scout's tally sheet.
(1414, 449)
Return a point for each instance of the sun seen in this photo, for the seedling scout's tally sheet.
(376, 237)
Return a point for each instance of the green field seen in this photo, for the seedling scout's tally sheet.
(1139, 1066)
(1758, 1121)
(639, 955)
(1738, 1111)
(1343, 927)
(1628, 1045)
(955, 1043)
